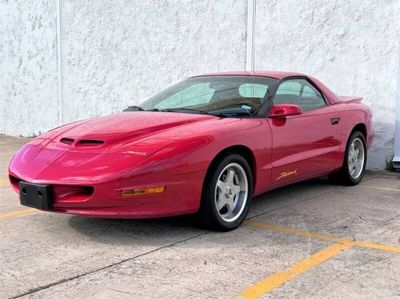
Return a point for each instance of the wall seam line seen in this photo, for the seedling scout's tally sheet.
(396, 145)
(250, 35)
(59, 67)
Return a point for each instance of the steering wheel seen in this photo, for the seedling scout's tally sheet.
(250, 104)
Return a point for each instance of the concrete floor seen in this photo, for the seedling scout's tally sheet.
(309, 240)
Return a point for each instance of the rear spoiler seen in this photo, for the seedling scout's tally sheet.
(349, 99)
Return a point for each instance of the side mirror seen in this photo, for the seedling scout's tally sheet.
(283, 110)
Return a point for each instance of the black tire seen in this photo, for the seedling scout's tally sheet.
(344, 176)
(208, 215)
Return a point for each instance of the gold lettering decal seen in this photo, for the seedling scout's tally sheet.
(285, 174)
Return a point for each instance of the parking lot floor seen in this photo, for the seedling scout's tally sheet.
(309, 240)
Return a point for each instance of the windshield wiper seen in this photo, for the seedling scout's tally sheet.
(133, 108)
(227, 112)
(184, 110)
(230, 112)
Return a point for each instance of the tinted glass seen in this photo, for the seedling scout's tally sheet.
(253, 90)
(212, 93)
(299, 92)
(289, 87)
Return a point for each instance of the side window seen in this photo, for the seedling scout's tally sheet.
(308, 92)
(196, 94)
(289, 87)
(299, 92)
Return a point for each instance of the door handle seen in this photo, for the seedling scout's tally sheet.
(335, 120)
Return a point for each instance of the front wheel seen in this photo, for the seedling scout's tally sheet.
(226, 194)
(354, 163)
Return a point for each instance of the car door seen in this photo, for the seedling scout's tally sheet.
(307, 144)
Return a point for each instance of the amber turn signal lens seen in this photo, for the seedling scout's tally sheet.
(150, 190)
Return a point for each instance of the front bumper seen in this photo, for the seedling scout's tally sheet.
(181, 196)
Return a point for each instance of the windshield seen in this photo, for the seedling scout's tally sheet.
(213, 94)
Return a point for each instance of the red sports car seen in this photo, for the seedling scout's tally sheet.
(204, 146)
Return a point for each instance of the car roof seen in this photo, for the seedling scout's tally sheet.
(332, 98)
(271, 74)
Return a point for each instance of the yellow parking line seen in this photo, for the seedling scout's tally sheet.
(303, 233)
(378, 246)
(4, 182)
(279, 278)
(7, 215)
(295, 231)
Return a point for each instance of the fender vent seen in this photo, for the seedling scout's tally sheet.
(87, 142)
(67, 140)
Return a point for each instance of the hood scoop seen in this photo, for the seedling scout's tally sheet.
(89, 142)
(82, 142)
(66, 140)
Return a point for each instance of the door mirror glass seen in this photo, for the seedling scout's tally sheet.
(283, 110)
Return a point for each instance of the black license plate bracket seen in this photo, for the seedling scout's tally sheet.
(35, 196)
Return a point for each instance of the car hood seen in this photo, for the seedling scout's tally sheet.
(143, 130)
(96, 148)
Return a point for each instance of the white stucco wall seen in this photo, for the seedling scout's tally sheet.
(117, 53)
(28, 65)
(352, 46)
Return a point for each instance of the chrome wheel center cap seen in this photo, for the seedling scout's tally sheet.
(228, 191)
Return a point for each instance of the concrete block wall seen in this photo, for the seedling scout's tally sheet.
(117, 53)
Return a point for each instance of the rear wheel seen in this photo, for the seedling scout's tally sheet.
(354, 162)
(226, 194)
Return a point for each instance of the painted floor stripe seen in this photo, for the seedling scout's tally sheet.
(4, 182)
(378, 246)
(12, 214)
(312, 235)
(295, 231)
(279, 278)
